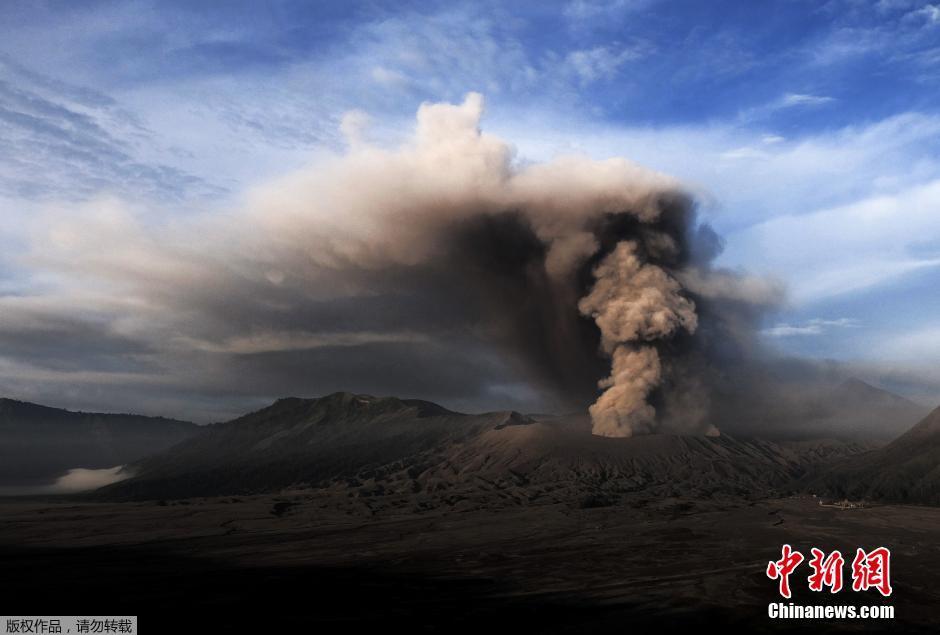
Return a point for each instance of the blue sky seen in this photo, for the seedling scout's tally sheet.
(809, 130)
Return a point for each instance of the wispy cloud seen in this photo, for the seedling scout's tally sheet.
(798, 99)
(816, 326)
(785, 102)
(66, 142)
(929, 14)
(848, 248)
(73, 481)
(602, 62)
(896, 33)
(584, 10)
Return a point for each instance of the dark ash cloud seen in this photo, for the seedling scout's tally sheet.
(440, 270)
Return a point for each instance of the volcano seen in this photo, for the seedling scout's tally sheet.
(416, 453)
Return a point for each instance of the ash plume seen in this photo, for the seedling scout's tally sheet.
(631, 303)
(590, 280)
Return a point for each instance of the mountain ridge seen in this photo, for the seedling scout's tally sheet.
(364, 445)
(10, 406)
(907, 470)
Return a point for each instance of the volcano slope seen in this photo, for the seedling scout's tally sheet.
(907, 470)
(416, 454)
(372, 512)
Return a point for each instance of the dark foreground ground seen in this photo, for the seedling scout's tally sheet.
(301, 560)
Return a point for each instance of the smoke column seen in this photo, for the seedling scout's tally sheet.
(632, 303)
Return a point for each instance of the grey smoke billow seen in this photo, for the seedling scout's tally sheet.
(443, 261)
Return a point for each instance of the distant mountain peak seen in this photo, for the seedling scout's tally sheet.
(853, 386)
(339, 405)
(514, 418)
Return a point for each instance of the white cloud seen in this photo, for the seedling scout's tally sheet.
(73, 481)
(886, 6)
(816, 326)
(845, 43)
(353, 125)
(602, 62)
(82, 480)
(840, 322)
(744, 179)
(390, 77)
(786, 330)
(784, 102)
(586, 10)
(929, 13)
(850, 247)
(798, 99)
(745, 152)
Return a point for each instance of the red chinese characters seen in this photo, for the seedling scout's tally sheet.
(872, 569)
(827, 571)
(781, 569)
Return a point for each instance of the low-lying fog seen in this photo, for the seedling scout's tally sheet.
(75, 480)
